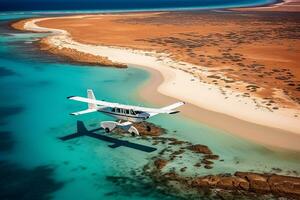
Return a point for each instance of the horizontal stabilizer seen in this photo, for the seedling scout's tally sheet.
(84, 112)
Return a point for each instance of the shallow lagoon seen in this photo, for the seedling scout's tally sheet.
(35, 112)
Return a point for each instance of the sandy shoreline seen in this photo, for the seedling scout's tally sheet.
(272, 138)
(277, 129)
(281, 6)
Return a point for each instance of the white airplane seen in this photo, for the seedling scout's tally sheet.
(129, 114)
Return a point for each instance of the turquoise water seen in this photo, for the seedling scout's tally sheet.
(35, 112)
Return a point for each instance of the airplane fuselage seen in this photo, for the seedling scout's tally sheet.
(124, 114)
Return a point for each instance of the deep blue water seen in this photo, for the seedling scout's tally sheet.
(34, 112)
(29, 5)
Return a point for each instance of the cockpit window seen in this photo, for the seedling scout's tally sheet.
(118, 110)
(127, 112)
(113, 110)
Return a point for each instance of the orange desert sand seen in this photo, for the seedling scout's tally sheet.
(237, 70)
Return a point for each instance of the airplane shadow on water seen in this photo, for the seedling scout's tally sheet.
(82, 131)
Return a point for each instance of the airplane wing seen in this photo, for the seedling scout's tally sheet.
(167, 109)
(93, 101)
(84, 112)
(153, 111)
(173, 106)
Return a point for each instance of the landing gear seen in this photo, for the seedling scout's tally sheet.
(109, 126)
(133, 131)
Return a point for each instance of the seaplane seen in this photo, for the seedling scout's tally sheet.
(126, 115)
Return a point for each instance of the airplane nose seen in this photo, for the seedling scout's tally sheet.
(145, 116)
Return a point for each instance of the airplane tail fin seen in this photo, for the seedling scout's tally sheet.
(92, 107)
(91, 95)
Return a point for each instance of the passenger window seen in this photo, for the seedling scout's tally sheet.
(118, 110)
(127, 112)
(113, 110)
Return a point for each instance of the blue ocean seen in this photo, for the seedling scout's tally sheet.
(36, 164)
(38, 5)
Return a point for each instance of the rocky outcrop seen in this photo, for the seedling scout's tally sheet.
(199, 148)
(211, 157)
(221, 181)
(276, 184)
(257, 182)
(252, 182)
(149, 129)
(160, 163)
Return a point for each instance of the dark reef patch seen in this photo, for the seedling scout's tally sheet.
(6, 141)
(6, 72)
(139, 186)
(20, 183)
(6, 112)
